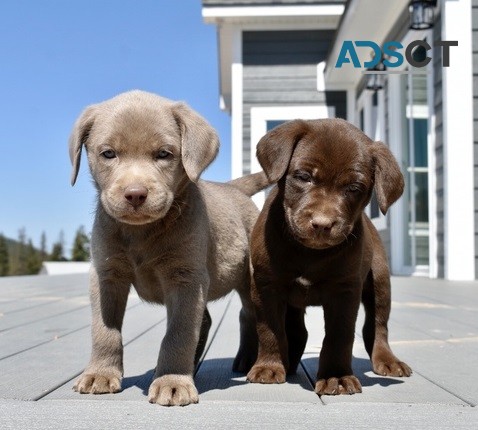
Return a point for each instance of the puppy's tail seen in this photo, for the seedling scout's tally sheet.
(251, 184)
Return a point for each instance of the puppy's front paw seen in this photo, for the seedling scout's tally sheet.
(173, 390)
(272, 373)
(333, 386)
(390, 366)
(98, 383)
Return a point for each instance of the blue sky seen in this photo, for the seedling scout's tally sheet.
(57, 57)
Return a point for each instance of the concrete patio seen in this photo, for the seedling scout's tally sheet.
(45, 343)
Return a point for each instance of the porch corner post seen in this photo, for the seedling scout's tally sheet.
(459, 231)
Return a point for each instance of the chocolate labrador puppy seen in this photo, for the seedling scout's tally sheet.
(313, 245)
(178, 240)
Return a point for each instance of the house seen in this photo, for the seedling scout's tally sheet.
(64, 267)
(287, 59)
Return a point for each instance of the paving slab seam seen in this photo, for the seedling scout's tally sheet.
(44, 318)
(470, 403)
(46, 341)
(51, 390)
(208, 346)
(56, 315)
(312, 382)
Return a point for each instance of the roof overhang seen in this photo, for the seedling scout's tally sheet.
(231, 20)
(260, 14)
(362, 20)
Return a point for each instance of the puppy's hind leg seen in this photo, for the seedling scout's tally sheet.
(296, 336)
(376, 298)
(203, 334)
(247, 354)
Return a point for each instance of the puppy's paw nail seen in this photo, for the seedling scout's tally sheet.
(173, 390)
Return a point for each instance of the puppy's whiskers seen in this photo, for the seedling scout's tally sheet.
(349, 236)
(177, 205)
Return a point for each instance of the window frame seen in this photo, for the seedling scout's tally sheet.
(261, 114)
(365, 103)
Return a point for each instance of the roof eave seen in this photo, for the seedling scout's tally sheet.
(356, 25)
(270, 17)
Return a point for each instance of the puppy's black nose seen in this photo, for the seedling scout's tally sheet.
(136, 195)
(322, 224)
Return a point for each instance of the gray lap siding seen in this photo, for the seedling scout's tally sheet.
(280, 69)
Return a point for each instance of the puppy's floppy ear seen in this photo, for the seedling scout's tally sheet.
(199, 141)
(389, 181)
(275, 148)
(78, 138)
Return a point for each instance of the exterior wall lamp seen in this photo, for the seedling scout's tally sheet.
(422, 14)
(376, 77)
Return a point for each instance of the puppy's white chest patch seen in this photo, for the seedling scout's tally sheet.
(298, 292)
(303, 281)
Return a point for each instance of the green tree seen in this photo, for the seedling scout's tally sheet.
(81, 246)
(32, 259)
(58, 249)
(4, 263)
(43, 247)
(18, 263)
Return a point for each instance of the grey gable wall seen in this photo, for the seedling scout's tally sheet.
(280, 69)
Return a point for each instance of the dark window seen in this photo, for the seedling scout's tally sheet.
(270, 124)
(374, 208)
(285, 47)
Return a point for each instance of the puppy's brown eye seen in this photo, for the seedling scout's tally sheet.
(161, 155)
(109, 154)
(354, 188)
(302, 176)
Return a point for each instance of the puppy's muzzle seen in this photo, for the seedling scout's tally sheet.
(322, 225)
(319, 230)
(136, 195)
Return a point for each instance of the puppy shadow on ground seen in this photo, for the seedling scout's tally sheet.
(217, 374)
(214, 374)
(360, 367)
(141, 381)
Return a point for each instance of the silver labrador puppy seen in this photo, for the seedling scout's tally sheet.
(178, 240)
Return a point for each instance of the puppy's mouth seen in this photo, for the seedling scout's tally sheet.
(318, 241)
(143, 214)
(137, 218)
(318, 238)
